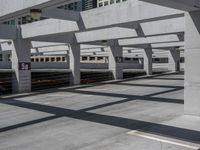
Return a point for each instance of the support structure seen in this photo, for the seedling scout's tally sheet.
(116, 61)
(74, 57)
(174, 60)
(21, 64)
(192, 61)
(148, 61)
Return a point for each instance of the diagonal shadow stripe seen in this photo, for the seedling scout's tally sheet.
(20, 125)
(148, 127)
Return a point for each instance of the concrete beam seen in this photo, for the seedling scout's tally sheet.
(168, 45)
(149, 40)
(48, 27)
(105, 34)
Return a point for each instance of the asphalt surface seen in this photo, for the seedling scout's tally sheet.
(136, 114)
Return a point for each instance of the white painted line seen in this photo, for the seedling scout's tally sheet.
(150, 137)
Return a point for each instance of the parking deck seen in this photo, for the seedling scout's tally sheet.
(123, 115)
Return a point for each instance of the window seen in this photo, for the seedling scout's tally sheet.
(117, 1)
(92, 58)
(58, 59)
(9, 57)
(99, 58)
(47, 59)
(112, 2)
(63, 59)
(127, 59)
(52, 59)
(41, 59)
(105, 3)
(135, 59)
(37, 59)
(157, 59)
(84, 58)
(1, 57)
(100, 4)
(32, 59)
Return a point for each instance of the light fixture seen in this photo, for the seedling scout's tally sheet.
(36, 13)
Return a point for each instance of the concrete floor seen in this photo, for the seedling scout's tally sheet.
(101, 117)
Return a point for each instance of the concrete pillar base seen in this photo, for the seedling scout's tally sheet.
(174, 60)
(116, 61)
(21, 64)
(74, 57)
(148, 61)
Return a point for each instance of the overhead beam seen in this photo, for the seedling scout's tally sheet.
(149, 40)
(48, 27)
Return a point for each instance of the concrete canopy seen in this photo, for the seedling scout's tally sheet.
(18, 7)
(139, 16)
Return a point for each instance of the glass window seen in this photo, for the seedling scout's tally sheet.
(99, 58)
(117, 1)
(47, 59)
(1, 57)
(52, 59)
(84, 58)
(63, 59)
(127, 59)
(105, 3)
(41, 59)
(9, 57)
(92, 58)
(100, 4)
(58, 59)
(112, 2)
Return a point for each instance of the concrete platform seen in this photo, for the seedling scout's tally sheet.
(137, 114)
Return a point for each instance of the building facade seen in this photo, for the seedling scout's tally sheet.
(102, 3)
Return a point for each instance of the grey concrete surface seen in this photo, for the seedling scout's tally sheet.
(100, 117)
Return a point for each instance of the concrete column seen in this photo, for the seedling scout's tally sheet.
(74, 63)
(148, 61)
(21, 64)
(174, 60)
(192, 62)
(115, 61)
